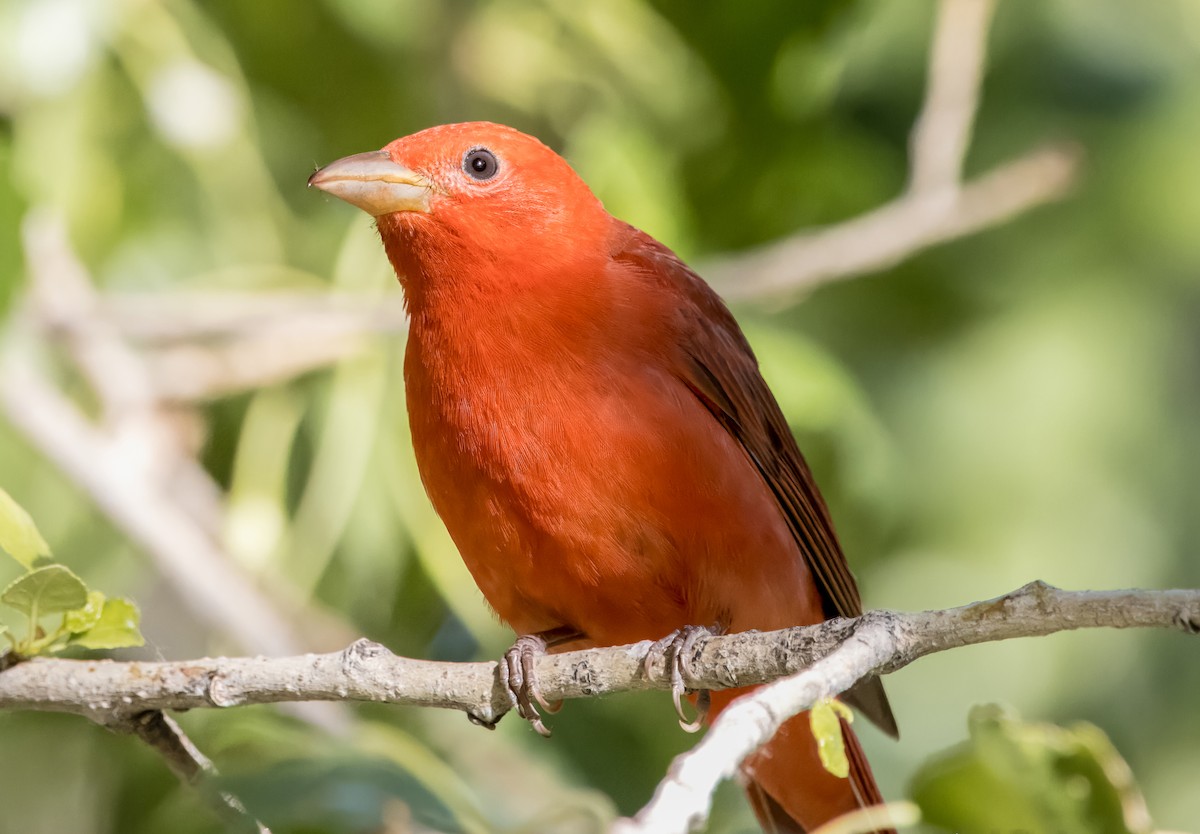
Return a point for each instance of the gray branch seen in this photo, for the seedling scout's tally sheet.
(882, 642)
(897, 230)
(110, 692)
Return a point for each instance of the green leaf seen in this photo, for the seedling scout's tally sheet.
(826, 718)
(82, 619)
(117, 627)
(1023, 776)
(19, 536)
(49, 590)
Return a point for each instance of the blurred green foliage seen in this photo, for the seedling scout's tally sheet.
(1036, 777)
(1022, 404)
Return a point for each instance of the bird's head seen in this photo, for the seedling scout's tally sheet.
(466, 196)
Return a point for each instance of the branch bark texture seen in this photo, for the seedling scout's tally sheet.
(111, 692)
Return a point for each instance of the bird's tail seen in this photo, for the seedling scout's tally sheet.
(789, 789)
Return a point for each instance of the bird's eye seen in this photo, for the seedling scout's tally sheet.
(481, 164)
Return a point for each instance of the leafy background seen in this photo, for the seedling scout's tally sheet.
(1021, 404)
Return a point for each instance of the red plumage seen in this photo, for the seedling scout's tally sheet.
(592, 427)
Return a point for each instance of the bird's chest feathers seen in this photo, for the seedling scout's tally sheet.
(484, 420)
(517, 409)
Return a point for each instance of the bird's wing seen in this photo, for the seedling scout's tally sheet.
(720, 368)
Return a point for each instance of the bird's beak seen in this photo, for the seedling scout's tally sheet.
(374, 183)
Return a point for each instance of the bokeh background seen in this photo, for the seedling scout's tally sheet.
(1019, 404)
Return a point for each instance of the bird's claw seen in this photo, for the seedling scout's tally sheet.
(678, 650)
(519, 678)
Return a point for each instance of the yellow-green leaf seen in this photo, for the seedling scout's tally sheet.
(82, 619)
(49, 590)
(825, 718)
(117, 628)
(19, 536)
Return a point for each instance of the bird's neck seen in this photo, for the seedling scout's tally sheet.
(490, 313)
(500, 294)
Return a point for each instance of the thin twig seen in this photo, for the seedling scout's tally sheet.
(882, 238)
(157, 319)
(273, 356)
(209, 345)
(161, 733)
(942, 132)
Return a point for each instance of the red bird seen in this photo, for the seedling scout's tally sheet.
(592, 427)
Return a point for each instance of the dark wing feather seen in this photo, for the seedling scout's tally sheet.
(720, 368)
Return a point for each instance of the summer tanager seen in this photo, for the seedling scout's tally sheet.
(592, 427)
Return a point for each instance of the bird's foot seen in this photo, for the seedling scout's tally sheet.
(519, 678)
(678, 650)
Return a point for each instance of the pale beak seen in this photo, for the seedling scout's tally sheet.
(374, 183)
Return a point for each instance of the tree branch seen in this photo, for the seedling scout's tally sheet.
(882, 642)
(204, 345)
(171, 318)
(886, 236)
(843, 650)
